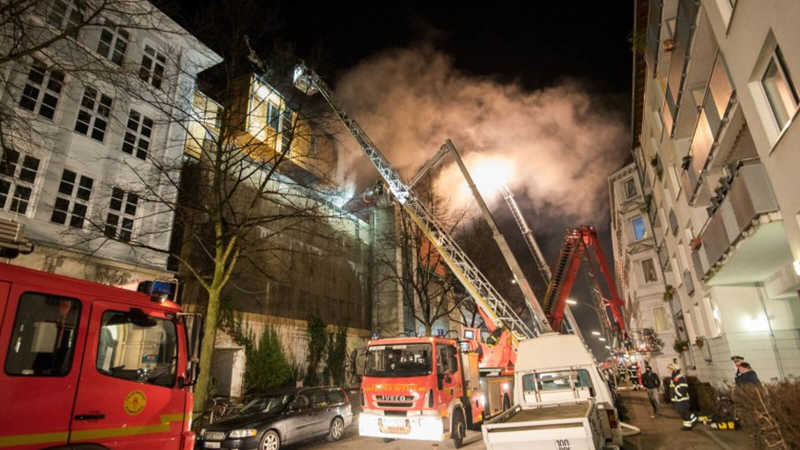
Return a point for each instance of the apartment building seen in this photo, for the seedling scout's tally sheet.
(715, 96)
(640, 276)
(82, 124)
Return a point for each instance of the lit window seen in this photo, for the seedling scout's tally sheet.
(779, 89)
(639, 228)
(42, 90)
(137, 136)
(17, 176)
(649, 271)
(630, 188)
(93, 114)
(153, 63)
(121, 214)
(113, 43)
(72, 199)
(65, 15)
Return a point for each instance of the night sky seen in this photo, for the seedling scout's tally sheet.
(532, 45)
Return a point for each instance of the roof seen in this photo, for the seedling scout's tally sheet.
(45, 282)
(552, 351)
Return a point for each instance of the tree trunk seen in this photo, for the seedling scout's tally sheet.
(428, 329)
(207, 351)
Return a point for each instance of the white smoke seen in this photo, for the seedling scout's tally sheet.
(560, 146)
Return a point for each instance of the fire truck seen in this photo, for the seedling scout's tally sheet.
(87, 365)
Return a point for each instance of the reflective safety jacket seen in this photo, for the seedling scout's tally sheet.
(678, 387)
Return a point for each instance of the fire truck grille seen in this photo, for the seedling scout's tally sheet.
(395, 401)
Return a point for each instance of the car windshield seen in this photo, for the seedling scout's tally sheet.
(267, 404)
(406, 360)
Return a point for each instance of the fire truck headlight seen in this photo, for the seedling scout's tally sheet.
(238, 434)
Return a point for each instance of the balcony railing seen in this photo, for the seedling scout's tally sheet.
(684, 27)
(749, 197)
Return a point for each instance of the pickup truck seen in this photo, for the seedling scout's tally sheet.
(562, 400)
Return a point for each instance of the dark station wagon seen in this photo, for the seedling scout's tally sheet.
(272, 420)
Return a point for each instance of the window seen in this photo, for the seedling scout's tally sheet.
(336, 396)
(153, 63)
(286, 130)
(42, 89)
(714, 317)
(630, 188)
(555, 381)
(137, 136)
(639, 228)
(93, 114)
(137, 347)
(273, 116)
(16, 180)
(779, 89)
(43, 339)
(660, 319)
(318, 398)
(72, 199)
(121, 214)
(649, 271)
(64, 14)
(113, 43)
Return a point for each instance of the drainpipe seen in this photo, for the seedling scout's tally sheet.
(778, 361)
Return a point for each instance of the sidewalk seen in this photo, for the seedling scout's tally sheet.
(663, 431)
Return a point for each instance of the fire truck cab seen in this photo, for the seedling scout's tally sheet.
(423, 388)
(90, 366)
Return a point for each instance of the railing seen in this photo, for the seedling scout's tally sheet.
(684, 29)
(750, 196)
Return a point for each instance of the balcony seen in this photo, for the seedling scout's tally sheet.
(684, 31)
(744, 240)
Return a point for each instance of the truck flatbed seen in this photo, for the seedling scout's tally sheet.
(565, 411)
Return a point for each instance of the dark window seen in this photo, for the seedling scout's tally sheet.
(336, 396)
(318, 398)
(42, 90)
(137, 347)
(93, 114)
(121, 214)
(137, 136)
(113, 43)
(70, 195)
(43, 339)
(152, 69)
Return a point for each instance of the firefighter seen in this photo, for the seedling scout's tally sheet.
(679, 395)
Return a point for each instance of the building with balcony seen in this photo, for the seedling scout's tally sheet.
(640, 275)
(715, 144)
(80, 131)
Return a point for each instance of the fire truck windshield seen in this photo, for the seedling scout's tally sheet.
(399, 360)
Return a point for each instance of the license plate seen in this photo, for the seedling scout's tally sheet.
(395, 425)
(212, 445)
(563, 444)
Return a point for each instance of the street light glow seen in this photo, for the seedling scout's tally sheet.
(608, 347)
(596, 333)
(602, 339)
(571, 301)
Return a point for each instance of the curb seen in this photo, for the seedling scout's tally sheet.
(717, 440)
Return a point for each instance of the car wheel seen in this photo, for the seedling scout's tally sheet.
(459, 429)
(336, 430)
(270, 441)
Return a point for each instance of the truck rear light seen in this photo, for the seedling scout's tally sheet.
(612, 418)
(429, 398)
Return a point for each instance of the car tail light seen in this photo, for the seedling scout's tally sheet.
(612, 418)
(429, 398)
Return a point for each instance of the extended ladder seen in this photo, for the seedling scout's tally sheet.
(494, 306)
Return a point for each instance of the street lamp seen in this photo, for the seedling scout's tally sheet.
(571, 301)
(596, 333)
(602, 339)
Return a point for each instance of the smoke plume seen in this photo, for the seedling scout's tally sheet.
(560, 146)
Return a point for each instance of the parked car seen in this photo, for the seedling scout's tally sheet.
(268, 422)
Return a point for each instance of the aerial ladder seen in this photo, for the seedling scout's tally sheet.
(581, 244)
(536, 253)
(494, 309)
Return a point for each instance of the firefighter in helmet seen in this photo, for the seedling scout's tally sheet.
(679, 395)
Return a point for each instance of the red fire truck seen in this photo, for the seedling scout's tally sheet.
(92, 366)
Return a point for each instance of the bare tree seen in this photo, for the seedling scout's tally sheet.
(238, 173)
